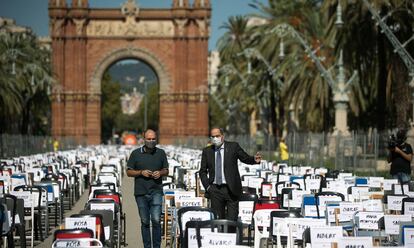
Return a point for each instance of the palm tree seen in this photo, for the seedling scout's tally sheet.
(232, 89)
(385, 91)
(25, 78)
(303, 86)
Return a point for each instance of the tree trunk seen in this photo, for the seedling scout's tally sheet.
(24, 129)
(273, 118)
(402, 92)
(381, 83)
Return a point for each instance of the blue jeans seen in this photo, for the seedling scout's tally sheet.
(149, 208)
(402, 177)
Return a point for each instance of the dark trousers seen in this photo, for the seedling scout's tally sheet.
(221, 200)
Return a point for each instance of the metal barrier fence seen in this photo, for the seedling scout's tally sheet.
(362, 153)
(23, 145)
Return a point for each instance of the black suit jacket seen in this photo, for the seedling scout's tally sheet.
(232, 152)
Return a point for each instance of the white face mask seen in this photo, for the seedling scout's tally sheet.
(217, 141)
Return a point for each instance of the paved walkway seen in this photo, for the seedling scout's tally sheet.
(133, 226)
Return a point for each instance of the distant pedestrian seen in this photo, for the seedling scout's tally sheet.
(400, 156)
(284, 152)
(56, 145)
(148, 164)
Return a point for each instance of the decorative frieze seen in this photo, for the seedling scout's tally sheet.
(184, 97)
(97, 28)
(80, 23)
(56, 26)
(75, 97)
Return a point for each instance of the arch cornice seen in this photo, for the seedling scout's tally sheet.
(128, 53)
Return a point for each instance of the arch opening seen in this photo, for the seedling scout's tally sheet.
(129, 101)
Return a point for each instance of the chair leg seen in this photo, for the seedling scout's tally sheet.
(10, 240)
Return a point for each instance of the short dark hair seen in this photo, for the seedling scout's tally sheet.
(149, 130)
(219, 128)
(402, 135)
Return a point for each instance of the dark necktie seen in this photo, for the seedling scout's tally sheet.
(219, 175)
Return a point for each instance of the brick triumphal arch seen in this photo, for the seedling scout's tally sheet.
(86, 41)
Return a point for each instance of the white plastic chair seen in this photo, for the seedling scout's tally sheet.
(261, 219)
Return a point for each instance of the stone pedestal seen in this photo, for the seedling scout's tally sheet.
(341, 119)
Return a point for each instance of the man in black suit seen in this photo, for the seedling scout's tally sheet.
(220, 175)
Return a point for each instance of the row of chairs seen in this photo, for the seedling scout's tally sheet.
(102, 222)
(36, 203)
(37, 190)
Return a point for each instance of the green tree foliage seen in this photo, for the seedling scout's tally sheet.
(380, 98)
(25, 81)
(152, 108)
(110, 106)
(114, 121)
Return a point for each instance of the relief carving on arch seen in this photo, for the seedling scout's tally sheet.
(79, 23)
(203, 26)
(181, 25)
(130, 28)
(55, 26)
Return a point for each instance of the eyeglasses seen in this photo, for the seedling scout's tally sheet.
(151, 139)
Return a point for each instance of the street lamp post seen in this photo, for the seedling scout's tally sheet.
(268, 92)
(142, 80)
(339, 87)
(398, 47)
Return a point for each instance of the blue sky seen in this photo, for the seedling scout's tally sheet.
(33, 13)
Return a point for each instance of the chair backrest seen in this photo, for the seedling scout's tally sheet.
(279, 186)
(10, 202)
(50, 190)
(38, 191)
(286, 197)
(81, 242)
(359, 181)
(99, 227)
(72, 234)
(190, 235)
(108, 177)
(109, 168)
(334, 195)
(367, 222)
(4, 221)
(234, 229)
(408, 206)
(394, 202)
(107, 221)
(97, 186)
(277, 216)
(267, 190)
(313, 182)
(18, 180)
(406, 228)
(266, 204)
(185, 214)
(107, 194)
(103, 204)
(246, 207)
